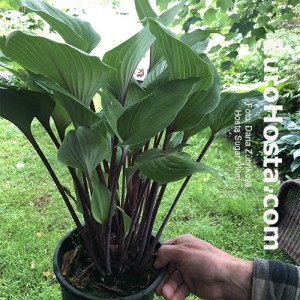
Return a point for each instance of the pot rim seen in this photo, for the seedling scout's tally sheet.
(64, 283)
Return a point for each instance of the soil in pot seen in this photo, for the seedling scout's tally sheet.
(78, 270)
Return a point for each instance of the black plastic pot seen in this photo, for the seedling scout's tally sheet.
(71, 293)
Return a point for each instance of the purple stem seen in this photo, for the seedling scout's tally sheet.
(111, 208)
(133, 222)
(158, 235)
(67, 202)
(148, 216)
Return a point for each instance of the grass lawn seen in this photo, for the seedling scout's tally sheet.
(33, 217)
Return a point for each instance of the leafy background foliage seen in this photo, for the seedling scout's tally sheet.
(240, 22)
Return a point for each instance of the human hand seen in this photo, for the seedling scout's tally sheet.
(197, 267)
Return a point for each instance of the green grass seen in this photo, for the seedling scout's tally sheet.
(33, 217)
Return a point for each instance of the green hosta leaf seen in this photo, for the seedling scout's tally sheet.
(112, 110)
(199, 103)
(135, 94)
(74, 31)
(156, 74)
(168, 16)
(295, 165)
(83, 149)
(78, 200)
(78, 113)
(145, 119)
(170, 167)
(79, 73)
(144, 9)
(125, 58)
(291, 139)
(296, 154)
(223, 116)
(150, 154)
(203, 124)
(198, 39)
(100, 202)
(100, 127)
(177, 140)
(21, 106)
(126, 220)
(182, 61)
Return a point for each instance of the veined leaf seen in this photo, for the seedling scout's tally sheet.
(126, 220)
(168, 16)
(197, 39)
(135, 94)
(223, 116)
(83, 149)
(203, 124)
(61, 118)
(112, 110)
(197, 36)
(21, 107)
(125, 59)
(295, 165)
(296, 154)
(199, 103)
(171, 167)
(145, 119)
(144, 11)
(100, 202)
(78, 113)
(150, 154)
(79, 73)
(156, 74)
(74, 31)
(182, 61)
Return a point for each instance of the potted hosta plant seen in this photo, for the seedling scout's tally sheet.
(123, 152)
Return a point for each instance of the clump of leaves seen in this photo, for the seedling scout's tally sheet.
(120, 158)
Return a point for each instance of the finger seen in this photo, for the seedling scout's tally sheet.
(171, 269)
(181, 292)
(158, 290)
(170, 242)
(173, 281)
(166, 254)
(176, 241)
